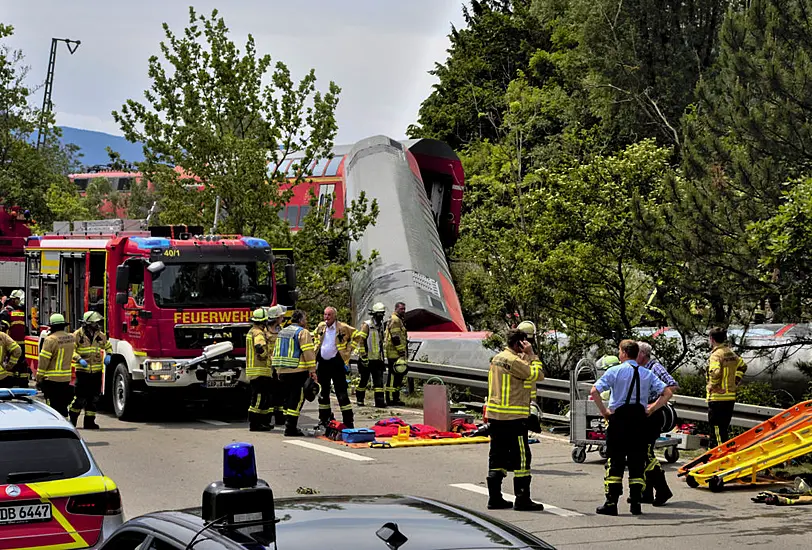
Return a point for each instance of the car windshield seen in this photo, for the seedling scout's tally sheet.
(192, 284)
(41, 455)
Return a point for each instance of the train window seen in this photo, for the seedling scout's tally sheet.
(124, 184)
(293, 168)
(81, 183)
(303, 211)
(292, 215)
(281, 214)
(318, 169)
(332, 168)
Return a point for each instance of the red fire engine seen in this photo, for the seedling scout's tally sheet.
(13, 232)
(176, 303)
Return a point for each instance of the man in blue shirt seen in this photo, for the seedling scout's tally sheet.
(631, 387)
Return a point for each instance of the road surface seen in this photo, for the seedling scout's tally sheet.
(160, 464)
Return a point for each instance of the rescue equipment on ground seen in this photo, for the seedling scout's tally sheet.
(800, 494)
(357, 435)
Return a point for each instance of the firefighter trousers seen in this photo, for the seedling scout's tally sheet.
(267, 401)
(7, 382)
(21, 374)
(373, 370)
(626, 446)
(394, 383)
(58, 395)
(720, 413)
(293, 390)
(510, 449)
(87, 393)
(331, 371)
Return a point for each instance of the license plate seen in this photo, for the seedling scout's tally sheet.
(220, 381)
(25, 513)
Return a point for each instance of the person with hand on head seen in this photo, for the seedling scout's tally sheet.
(631, 388)
(725, 372)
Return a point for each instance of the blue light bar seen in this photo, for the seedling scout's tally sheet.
(148, 243)
(254, 242)
(18, 392)
(239, 465)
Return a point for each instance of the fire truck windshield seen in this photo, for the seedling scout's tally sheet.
(207, 284)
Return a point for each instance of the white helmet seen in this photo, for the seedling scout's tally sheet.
(378, 308)
(19, 294)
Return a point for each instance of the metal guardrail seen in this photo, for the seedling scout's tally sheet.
(688, 408)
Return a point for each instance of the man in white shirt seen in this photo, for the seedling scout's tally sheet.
(333, 347)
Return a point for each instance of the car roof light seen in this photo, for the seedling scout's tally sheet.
(11, 393)
(239, 465)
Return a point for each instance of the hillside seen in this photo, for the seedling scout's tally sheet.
(92, 146)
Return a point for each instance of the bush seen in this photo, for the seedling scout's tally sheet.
(691, 385)
(758, 393)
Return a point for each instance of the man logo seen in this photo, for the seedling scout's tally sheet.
(13, 491)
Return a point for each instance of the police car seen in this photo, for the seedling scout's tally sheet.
(240, 513)
(52, 493)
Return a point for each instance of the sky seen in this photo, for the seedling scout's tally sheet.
(378, 51)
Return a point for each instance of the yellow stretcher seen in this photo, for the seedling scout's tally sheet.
(745, 464)
(395, 443)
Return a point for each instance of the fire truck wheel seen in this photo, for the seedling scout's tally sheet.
(123, 404)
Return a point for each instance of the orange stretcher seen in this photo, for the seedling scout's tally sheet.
(793, 419)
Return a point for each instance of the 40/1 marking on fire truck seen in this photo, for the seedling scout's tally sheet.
(203, 317)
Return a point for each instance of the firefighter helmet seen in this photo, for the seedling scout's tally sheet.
(378, 308)
(259, 315)
(57, 319)
(311, 389)
(4, 325)
(528, 327)
(401, 366)
(534, 420)
(275, 312)
(92, 317)
(19, 294)
(607, 361)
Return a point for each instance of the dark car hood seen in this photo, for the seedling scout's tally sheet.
(352, 523)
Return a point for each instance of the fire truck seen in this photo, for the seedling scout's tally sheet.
(13, 232)
(176, 303)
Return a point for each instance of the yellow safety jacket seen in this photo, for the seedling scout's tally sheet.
(90, 349)
(369, 345)
(55, 357)
(511, 383)
(257, 353)
(396, 338)
(725, 373)
(345, 336)
(10, 348)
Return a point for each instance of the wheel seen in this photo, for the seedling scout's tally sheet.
(579, 455)
(691, 481)
(671, 454)
(602, 451)
(123, 402)
(716, 484)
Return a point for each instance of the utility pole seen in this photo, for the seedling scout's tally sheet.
(47, 106)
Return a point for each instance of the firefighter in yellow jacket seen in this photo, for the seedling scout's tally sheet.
(512, 380)
(396, 345)
(334, 343)
(10, 353)
(87, 361)
(54, 365)
(294, 358)
(371, 356)
(259, 372)
(725, 373)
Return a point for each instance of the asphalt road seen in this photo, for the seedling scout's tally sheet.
(163, 464)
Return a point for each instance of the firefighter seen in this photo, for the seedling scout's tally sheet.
(10, 353)
(334, 343)
(294, 358)
(14, 314)
(725, 373)
(276, 316)
(87, 361)
(259, 372)
(511, 383)
(395, 345)
(371, 356)
(54, 366)
(626, 434)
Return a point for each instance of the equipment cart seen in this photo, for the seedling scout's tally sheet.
(588, 427)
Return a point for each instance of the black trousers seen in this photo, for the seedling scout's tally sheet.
(394, 383)
(626, 446)
(261, 405)
(8, 382)
(331, 371)
(720, 413)
(373, 370)
(22, 373)
(293, 390)
(510, 449)
(58, 395)
(87, 393)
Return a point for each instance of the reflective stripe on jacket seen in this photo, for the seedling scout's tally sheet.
(257, 353)
(8, 347)
(370, 342)
(90, 349)
(17, 329)
(511, 383)
(396, 338)
(294, 351)
(55, 357)
(345, 336)
(725, 373)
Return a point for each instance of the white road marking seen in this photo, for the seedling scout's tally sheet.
(547, 507)
(328, 450)
(215, 422)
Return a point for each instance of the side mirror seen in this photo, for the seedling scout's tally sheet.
(290, 275)
(121, 298)
(122, 278)
(156, 267)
